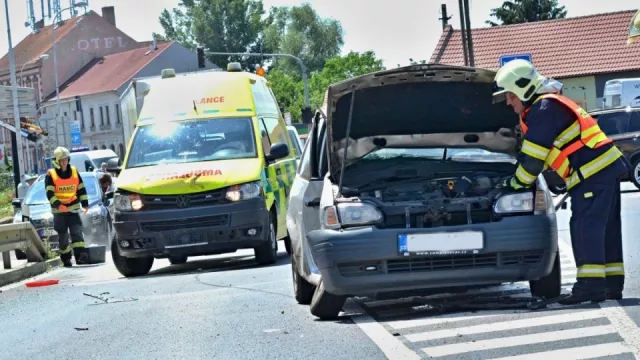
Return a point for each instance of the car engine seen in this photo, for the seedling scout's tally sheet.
(444, 201)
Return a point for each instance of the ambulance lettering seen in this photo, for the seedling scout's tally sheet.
(211, 100)
(185, 175)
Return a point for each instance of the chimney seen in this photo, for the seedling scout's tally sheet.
(109, 14)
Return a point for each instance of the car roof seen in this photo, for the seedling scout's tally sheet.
(614, 110)
(83, 174)
(96, 153)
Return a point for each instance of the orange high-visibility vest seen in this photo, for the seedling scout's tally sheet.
(65, 189)
(590, 133)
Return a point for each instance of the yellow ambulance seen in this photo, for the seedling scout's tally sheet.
(207, 171)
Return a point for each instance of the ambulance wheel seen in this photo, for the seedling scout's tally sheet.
(549, 286)
(324, 305)
(130, 267)
(267, 253)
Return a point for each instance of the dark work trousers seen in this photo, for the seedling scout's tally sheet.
(596, 237)
(64, 224)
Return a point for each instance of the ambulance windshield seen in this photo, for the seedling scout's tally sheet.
(192, 141)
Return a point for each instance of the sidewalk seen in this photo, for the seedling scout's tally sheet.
(22, 270)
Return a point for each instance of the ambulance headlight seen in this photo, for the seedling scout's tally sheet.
(246, 191)
(127, 202)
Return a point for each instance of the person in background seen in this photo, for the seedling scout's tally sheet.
(67, 194)
(106, 183)
(561, 136)
(103, 167)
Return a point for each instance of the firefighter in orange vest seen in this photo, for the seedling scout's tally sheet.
(559, 135)
(67, 194)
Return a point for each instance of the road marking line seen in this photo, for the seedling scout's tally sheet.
(390, 345)
(576, 353)
(404, 324)
(521, 340)
(625, 326)
(507, 325)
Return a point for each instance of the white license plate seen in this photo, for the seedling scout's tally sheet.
(462, 242)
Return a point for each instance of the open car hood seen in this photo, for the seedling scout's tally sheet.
(417, 106)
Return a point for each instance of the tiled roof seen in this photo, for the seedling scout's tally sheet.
(109, 73)
(572, 47)
(35, 45)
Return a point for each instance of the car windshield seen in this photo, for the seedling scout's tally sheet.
(37, 194)
(448, 154)
(295, 142)
(192, 141)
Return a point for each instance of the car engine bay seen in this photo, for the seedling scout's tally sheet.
(466, 198)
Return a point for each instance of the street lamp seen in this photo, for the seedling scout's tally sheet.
(42, 57)
(55, 60)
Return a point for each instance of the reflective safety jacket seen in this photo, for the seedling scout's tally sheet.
(583, 132)
(65, 188)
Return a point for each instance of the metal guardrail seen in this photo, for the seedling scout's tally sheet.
(21, 236)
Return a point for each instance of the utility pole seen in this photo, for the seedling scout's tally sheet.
(467, 16)
(445, 19)
(463, 33)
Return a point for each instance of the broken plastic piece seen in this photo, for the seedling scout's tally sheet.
(39, 283)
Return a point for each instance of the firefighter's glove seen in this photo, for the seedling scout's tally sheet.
(510, 183)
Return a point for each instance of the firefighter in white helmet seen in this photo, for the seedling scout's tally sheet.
(559, 135)
(67, 195)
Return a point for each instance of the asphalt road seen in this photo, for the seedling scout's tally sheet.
(225, 307)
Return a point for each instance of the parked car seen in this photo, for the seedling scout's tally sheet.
(35, 208)
(295, 140)
(622, 125)
(416, 206)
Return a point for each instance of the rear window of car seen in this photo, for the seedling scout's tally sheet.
(616, 123)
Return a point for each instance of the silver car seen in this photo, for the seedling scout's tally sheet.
(411, 204)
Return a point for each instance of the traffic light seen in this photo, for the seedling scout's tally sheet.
(260, 71)
(78, 104)
(201, 61)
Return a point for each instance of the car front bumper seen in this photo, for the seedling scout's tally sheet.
(204, 230)
(367, 260)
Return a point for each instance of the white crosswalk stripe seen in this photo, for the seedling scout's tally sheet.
(581, 332)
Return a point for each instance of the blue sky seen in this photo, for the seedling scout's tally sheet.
(396, 30)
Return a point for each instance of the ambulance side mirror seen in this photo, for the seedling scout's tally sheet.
(278, 151)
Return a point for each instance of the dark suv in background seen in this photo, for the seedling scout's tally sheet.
(622, 125)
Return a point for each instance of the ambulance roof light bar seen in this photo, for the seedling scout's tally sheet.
(234, 67)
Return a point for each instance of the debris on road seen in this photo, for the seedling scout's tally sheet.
(106, 300)
(82, 329)
(39, 283)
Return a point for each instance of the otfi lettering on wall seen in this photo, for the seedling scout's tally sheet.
(98, 43)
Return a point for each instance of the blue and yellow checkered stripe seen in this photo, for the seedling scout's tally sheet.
(277, 180)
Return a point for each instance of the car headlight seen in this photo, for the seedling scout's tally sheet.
(127, 202)
(354, 214)
(243, 192)
(514, 203)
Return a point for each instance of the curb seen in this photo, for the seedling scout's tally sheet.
(29, 271)
(6, 220)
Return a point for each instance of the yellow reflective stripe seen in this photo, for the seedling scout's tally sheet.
(514, 184)
(553, 155)
(534, 150)
(595, 140)
(614, 269)
(51, 188)
(599, 163)
(567, 135)
(590, 131)
(572, 180)
(563, 168)
(53, 199)
(84, 197)
(591, 271)
(76, 245)
(524, 176)
(66, 250)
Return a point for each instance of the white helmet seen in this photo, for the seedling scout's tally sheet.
(58, 154)
(519, 77)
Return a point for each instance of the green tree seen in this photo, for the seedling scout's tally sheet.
(219, 25)
(301, 32)
(522, 11)
(336, 69)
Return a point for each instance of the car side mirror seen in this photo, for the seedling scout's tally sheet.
(278, 151)
(17, 203)
(113, 166)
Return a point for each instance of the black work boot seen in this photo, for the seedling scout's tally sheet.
(66, 260)
(82, 259)
(615, 285)
(67, 263)
(586, 290)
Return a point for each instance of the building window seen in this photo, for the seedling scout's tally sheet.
(95, 148)
(118, 115)
(104, 147)
(121, 151)
(101, 116)
(112, 147)
(93, 119)
(81, 122)
(108, 110)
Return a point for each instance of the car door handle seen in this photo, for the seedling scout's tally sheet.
(312, 202)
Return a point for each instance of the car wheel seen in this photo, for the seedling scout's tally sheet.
(549, 286)
(324, 305)
(302, 289)
(130, 267)
(176, 260)
(287, 244)
(635, 179)
(267, 253)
